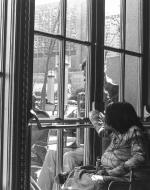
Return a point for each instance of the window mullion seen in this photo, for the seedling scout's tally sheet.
(123, 39)
(140, 67)
(62, 60)
(59, 160)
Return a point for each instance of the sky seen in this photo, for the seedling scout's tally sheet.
(38, 2)
(112, 6)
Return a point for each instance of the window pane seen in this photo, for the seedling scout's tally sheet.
(77, 19)
(111, 77)
(76, 56)
(46, 74)
(132, 91)
(42, 142)
(47, 16)
(112, 23)
(44, 150)
(133, 25)
(73, 149)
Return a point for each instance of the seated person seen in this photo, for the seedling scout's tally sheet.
(126, 149)
(73, 156)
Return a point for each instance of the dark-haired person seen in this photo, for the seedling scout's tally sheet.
(126, 149)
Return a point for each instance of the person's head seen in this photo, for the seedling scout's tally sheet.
(121, 116)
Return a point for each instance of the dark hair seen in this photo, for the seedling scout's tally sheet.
(121, 116)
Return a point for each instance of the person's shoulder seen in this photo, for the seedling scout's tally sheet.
(134, 130)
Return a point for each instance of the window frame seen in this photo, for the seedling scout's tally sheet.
(74, 122)
(63, 39)
(18, 176)
(123, 52)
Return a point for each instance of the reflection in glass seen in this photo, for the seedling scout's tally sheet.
(132, 88)
(112, 23)
(47, 16)
(75, 74)
(111, 77)
(77, 20)
(45, 74)
(133, 25)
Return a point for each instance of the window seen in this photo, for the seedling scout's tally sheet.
(123, 52)
(61, 76)
(62, 43)
(111, 37)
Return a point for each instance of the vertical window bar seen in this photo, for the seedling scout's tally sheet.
(89, 8)
(123, 40)
(88, 67)
(139, 103)
(140, 68)
(62, 60)
(59, 160)
(87, 88)
(87, 107)
(2, 61)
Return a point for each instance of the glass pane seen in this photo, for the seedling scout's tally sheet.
(73, 151)
(75, 73)
(77, 19)
(44, 151)
(43, 155)
(112, 67)
(132, 88)
(46, 74)
(47, 16)
(134, 25)
(112, 23)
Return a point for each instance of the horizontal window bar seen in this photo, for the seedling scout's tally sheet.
(46, 123)
(43, 126)
(60, 37)
(132, 53)
(59, 120)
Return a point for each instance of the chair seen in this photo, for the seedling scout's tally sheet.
(142, 183)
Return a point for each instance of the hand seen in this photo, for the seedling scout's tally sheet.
(102, 172)
(110, 172)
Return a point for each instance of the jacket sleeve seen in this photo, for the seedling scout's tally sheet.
(137, 153)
